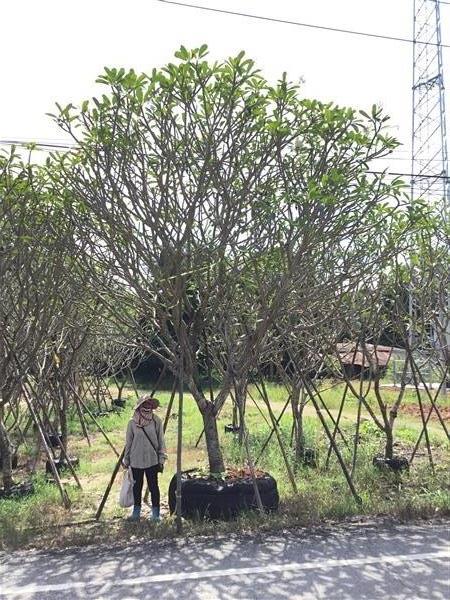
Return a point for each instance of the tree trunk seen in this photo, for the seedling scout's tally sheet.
(300, 441)
(64, 407)
(241, 396)
(298, 405)
(389, 447)
(6, 455)
(235, 420)
(215, 457)
(120, 386)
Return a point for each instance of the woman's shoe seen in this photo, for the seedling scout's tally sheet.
(155, 516)
(136, 514)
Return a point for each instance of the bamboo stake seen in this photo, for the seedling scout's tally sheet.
(87, 409)
(432, 400)
(178, 493)
(358, 420)
(62, 491)
(327, 410)
(266, 443)
(264, 396)
(257, 406)
(430, 412)
(82, 421)
(110, 484)
(333, 443)
(60, 445)
(169, 406)
(419, 398)
(252, 472)
(133, 383)
(251, 465)
(341, 408)
(102, 431)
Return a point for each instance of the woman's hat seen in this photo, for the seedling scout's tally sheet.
(154, 402)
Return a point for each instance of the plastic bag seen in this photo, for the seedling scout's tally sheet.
(126, 498)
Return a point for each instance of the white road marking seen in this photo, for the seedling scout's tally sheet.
(217, 573)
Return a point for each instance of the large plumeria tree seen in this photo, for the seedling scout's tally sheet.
(208, 195)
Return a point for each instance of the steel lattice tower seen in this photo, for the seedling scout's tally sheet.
(429, 140)
(430, 174)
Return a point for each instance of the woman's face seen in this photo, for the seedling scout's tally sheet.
(146, 406)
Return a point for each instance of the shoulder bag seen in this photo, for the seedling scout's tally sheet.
(160, 466)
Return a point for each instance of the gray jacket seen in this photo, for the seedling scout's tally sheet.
(139, 452)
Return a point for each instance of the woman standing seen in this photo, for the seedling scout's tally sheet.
(145, 452)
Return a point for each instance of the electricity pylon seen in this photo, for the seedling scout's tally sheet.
(430, 170)
(429, 137)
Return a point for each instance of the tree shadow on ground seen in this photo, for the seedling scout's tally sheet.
(287, 565)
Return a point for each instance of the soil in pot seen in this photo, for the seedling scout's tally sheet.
(309, 457)
(53, 439)
(118, 403)
(230, 428)
(396, 463)
(61, 464)
(104, 412)
(19, 490)
(206, 497)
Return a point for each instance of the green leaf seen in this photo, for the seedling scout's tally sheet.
(182, 53)
(203, 50)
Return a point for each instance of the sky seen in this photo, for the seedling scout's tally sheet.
(53, 50)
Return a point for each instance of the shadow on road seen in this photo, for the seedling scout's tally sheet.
(200, 568)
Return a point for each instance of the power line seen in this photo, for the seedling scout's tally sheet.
(72, 147)
(299, 24)
(408, 159)
(410, 175)
(66, 146)
(61, 146)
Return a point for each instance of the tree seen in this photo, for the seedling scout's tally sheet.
(39, 291)
(193, 180)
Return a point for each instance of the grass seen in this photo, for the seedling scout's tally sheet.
(322, 494)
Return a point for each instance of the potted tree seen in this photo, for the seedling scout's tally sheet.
(193, 180)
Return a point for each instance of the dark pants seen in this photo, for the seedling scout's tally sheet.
(152, 479)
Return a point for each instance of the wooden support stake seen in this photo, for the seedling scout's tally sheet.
(102, 431)
(110, 484)
(266, 443)
(430, 412)
(338, 419)
(358, 422)
(252, 470)
(169, 406)
(62, 491)
(265, 397)
(422, 415)
(333, 443)
(82, 420)
(60, 445)
(432, 399)
(179, 445)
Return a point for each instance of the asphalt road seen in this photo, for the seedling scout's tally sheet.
(352, 561)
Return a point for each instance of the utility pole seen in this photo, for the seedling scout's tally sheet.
(429, 167)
